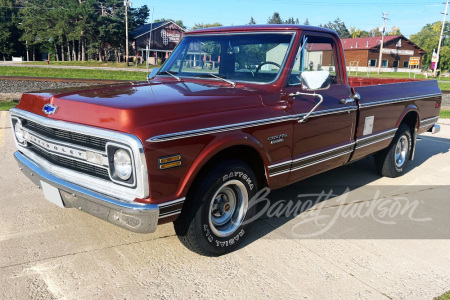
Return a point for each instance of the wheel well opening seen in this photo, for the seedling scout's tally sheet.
(246, 154)
(411, 120)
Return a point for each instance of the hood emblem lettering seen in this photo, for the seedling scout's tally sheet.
(49, 109)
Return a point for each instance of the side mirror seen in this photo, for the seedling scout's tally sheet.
(153, 73)
(315, 80)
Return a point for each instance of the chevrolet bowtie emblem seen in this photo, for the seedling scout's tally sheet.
(49, 109)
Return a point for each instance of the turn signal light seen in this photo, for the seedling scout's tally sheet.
(169, 162)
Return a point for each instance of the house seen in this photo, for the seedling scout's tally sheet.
(397, 50)
(165, 36)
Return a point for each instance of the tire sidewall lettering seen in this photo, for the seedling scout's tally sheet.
(238, 174)
(237, 236)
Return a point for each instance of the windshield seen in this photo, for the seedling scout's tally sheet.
(240, 57)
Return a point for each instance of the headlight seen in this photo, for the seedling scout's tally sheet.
(18, 132)
(122, 164)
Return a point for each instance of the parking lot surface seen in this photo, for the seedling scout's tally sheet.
(334, 249)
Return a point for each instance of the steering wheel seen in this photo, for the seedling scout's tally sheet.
(250, 69)
(266, 63)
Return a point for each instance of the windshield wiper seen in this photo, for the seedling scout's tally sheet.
(171, 74)
(219, 77)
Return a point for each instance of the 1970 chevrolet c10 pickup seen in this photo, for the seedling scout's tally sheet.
(233, 110)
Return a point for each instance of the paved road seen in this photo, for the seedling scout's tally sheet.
(52, 253)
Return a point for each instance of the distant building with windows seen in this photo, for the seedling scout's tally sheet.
(397, 50)
(165, 36)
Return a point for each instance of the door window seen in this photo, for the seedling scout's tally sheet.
(319, 54)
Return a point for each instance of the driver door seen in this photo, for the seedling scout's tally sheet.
(325, 140)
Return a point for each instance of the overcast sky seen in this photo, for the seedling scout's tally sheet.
(410, 16)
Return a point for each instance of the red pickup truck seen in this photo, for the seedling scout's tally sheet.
(232, 111)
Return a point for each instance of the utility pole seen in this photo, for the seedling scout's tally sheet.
(440, 39)
(149, 46)
(126, 3)
(382, 42)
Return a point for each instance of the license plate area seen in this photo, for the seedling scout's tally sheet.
(52, 194)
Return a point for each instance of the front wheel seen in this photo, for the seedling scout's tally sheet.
(213, 222)
(392, 161)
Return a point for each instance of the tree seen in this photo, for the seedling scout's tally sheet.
(9, 33)
(428, 39)
(179, 22)
(275, 19)
(291, 21)
(252, 21)
(375, 32)
(306, 22)
(138, 16)
(394, 31)
(355, 33)
(202, 25)
(70, 29)
(339, 26)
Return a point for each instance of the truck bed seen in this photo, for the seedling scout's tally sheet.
(385, 102)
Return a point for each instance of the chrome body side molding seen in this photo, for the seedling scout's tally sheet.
(236, 126)
(309, 160)
(375, 138)
(391, 101)
(171, 208)
(428, 122)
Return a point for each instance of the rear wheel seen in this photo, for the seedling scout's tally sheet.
(213, 221)
(392, 161)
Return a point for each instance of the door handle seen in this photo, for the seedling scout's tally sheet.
(346, 101)
(356, 96)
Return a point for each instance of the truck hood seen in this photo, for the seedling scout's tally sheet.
(126, 107)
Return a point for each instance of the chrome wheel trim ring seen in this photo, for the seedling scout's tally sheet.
(225, 220)
(400, 151)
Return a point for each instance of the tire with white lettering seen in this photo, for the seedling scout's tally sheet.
(392, 161)
(214, 218)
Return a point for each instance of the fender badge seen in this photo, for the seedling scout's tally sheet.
(49, 109)
(277, 138)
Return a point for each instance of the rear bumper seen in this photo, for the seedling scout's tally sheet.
(136, 217)
(435, 129)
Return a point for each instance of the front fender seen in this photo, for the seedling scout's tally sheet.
(215, 147)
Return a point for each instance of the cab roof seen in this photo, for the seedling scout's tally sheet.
(255, 28)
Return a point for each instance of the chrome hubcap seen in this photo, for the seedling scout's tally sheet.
(228, 208)
(400, 151)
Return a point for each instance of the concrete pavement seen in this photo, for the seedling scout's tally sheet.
(52, 253)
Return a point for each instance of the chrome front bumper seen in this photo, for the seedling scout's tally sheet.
(136, 217)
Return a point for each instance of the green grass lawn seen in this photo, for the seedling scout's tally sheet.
(7, 105)
(445, 296)
(444, 86)
(386, 75)
(89, 63)
(445, 114)
(72, 73)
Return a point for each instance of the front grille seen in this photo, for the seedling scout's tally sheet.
(66, 136)
(70, 163)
